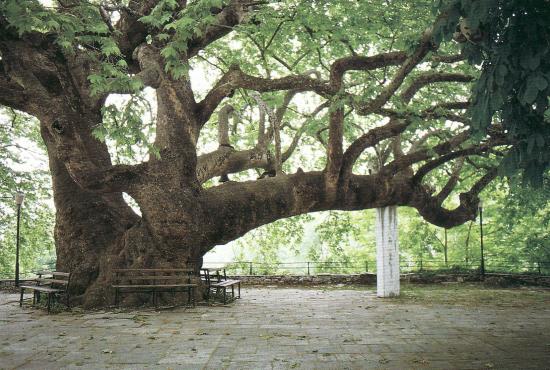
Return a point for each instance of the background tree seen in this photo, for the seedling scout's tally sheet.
(20, 142)
(303, 105)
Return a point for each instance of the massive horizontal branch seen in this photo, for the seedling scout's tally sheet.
(237, 207)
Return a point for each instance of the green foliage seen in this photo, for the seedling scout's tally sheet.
(268, 244)
(20, 142)
(514, 87)
(128, 127)
(174, 29)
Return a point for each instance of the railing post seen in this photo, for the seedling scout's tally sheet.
(250, 271)
(366, 266)
(308, 268)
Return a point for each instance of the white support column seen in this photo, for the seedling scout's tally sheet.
(387, 252)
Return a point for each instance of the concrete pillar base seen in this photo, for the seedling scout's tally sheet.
(387, 252)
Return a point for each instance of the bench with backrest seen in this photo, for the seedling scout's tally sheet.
(219, 282)
(51, 284)
(154, 281)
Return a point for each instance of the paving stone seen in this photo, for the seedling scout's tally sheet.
(276, 328)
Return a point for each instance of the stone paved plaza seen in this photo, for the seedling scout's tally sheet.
(273, 328)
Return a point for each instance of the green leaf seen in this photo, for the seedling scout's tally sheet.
(169, 52)
(530, 93)
(530, 61)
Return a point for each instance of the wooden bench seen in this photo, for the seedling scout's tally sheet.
(224, 284)
(220, 282)
(49, 283)
(154, 281)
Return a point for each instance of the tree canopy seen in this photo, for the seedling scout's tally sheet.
(219, 116)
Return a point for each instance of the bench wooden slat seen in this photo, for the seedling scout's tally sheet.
(42, 288)
(59, 273)
(155, 286)
(54, 281)
(153, 280)
(226, 283)
(152, 270)
(151, 277)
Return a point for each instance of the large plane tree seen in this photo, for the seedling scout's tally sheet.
(263, 110)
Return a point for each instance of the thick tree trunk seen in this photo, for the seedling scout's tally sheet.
(87, 224)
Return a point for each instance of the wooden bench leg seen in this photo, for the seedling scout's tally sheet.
(191, 296)
(233, 292)
(224, 295)
(239, 289)
(21, 298)
(49, 301)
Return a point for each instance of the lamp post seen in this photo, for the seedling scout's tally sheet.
(18, 201)
(481, 237)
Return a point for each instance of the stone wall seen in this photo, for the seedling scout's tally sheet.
(321, 279)
(370, 279)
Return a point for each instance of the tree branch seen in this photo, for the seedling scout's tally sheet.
(452, 182)
(230, 16)
(11, 93)
(430, 208)
(423, 48)
(429, 78)
(368, 140)
(235, 78)
(223, 125)
(296, 139)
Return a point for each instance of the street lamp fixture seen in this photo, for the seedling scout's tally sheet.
(19, 197)
(482, 267)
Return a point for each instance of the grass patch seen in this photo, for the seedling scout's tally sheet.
(474, 294)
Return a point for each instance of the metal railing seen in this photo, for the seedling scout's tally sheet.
(353, 267)
(369, 266)
(27, 274)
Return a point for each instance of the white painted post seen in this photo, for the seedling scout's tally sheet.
(387, 252)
